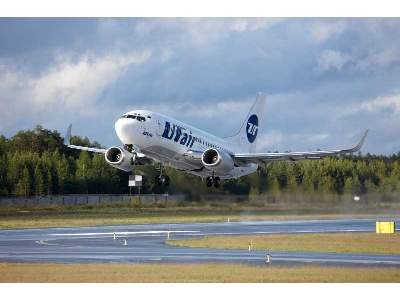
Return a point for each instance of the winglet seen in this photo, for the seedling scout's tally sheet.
(67, 138)
(361, 142)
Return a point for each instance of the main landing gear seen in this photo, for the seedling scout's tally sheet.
(211, 180)
(162, 180)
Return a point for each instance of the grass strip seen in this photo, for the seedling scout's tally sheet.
(14, 272)
(310, 242)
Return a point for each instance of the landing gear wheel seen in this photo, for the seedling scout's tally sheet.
(158, 181)
(217, 182)
(162, 180)
(209, 181)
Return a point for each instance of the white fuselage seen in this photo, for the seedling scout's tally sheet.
(174, 143)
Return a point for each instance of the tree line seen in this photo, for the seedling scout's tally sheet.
(35, 162)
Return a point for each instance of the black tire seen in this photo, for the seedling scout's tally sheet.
(158, 180)
(217, 182)
(209, 182)
(166, 181)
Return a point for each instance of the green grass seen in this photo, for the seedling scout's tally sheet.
(13, 272)
(331, 242)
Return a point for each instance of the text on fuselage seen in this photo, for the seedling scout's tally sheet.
(177, 134)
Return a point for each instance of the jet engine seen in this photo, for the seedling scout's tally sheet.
(120, 158)
(218, 161)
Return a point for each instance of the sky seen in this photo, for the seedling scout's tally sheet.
(326, 80)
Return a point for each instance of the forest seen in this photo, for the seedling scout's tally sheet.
(35, 162)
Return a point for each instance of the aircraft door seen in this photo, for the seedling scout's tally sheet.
(159, 128)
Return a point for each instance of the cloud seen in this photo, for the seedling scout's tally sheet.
(324, 30)
(383, 58)
(202, 31)
(77, 85)
(276, 140)
(327, 79)
(382, 116)
(333, 60)
(74, 86)
(391, 103)
(387, 104)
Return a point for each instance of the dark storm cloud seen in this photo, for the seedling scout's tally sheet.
(327, 79)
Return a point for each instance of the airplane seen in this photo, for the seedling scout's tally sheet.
(149, 137)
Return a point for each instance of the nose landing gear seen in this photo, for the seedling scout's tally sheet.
(211, 180)
(162, 179)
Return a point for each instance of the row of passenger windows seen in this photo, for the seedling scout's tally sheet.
(208, 144)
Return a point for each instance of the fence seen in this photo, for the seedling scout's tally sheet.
(284, 200)
(370, 198)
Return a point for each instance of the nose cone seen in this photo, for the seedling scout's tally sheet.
(125, 129)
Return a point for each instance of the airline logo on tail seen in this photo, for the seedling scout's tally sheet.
(252, 128)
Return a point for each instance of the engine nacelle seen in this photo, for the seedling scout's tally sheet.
(218, 161)
(119, 158)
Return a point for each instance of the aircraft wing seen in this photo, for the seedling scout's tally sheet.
(243, 158)
(68, 143)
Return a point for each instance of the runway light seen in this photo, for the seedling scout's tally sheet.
(168, 235)
(125, 243)
(268, 257)
(114, 236)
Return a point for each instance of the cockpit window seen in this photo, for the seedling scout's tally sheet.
(136, 117)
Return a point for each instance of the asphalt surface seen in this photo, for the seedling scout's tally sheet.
(147, 243)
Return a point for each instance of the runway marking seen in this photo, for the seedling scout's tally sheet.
(44, 242)
(198, 233)
(124, 232)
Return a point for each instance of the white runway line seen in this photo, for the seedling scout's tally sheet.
(44, 242)
(124, 232)
(198, 233)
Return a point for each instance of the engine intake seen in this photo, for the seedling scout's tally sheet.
(218, 161)
(119, 158)
(210, 157)
(114, 155)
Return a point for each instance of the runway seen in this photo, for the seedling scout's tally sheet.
(147, 243)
